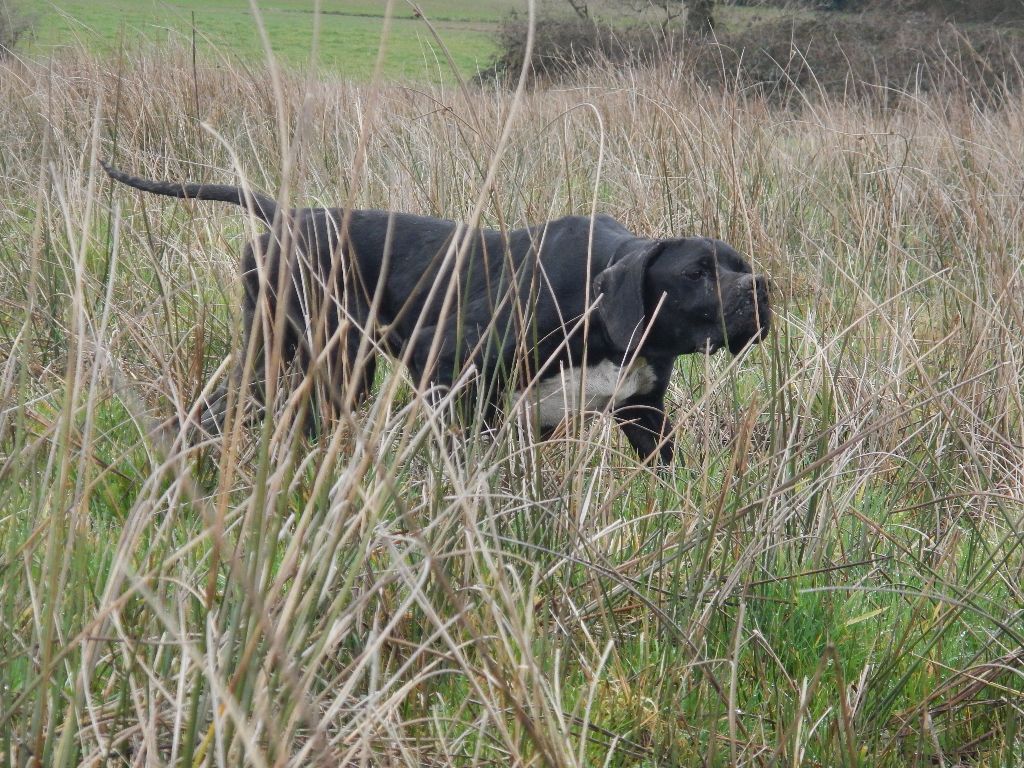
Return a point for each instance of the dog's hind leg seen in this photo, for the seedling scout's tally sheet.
(214, 413)
(353, 375)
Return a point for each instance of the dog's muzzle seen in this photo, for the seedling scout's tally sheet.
(750, 319)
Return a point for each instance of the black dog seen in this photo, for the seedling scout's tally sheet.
(513, 305)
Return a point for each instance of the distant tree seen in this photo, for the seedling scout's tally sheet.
(670, 9)
(14, 23)
(581, 8)
(700, 19)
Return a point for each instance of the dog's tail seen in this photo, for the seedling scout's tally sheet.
(260, 205)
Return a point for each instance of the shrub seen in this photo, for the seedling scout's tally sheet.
(992, 11)
(14, 24)
(996, 11)
(562, 46)
(833, 54)
(837, 54)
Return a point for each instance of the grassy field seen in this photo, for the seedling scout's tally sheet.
(830, 576)
(349, 31)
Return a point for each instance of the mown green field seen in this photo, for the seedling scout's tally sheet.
(349, 31)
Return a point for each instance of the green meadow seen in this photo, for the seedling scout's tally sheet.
(348, 31)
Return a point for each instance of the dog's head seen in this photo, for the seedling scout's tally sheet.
(701, 294)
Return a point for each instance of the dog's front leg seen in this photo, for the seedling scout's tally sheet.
(648, 428)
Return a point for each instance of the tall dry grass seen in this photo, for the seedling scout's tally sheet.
(831, 576)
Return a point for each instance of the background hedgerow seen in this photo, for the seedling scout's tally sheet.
(831, 576)
(783, 56)
(971, 11)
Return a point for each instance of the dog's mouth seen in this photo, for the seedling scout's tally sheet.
(737, 345)
(753, 331)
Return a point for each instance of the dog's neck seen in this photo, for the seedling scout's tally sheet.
(618, 354)
(627, 246)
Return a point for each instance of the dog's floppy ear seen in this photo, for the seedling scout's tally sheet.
(621, 288)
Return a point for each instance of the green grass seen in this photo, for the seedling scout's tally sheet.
(349, 32)
(828, 577)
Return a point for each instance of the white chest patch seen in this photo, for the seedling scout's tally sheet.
(551, 399)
